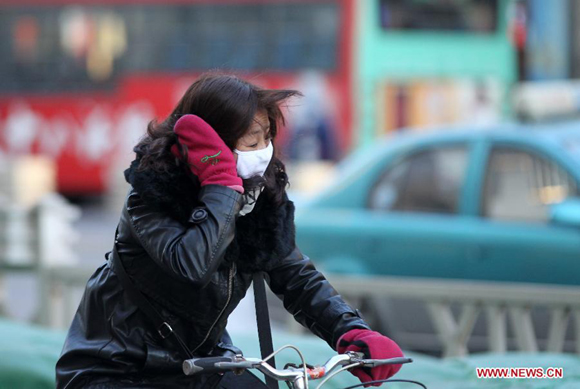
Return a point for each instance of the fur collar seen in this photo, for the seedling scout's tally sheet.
(263, 237)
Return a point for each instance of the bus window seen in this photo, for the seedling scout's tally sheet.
(264, 36)
(74, 47)
(477, 16)
(59, 48)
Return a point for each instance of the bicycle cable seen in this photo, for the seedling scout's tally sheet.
(301, 358)
(336, 372)
(290, 364)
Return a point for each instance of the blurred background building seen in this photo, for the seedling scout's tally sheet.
(79, 82)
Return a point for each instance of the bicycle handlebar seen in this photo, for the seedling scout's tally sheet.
(220, 364)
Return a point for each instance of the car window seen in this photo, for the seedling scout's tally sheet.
(521, 185)
(426, 181)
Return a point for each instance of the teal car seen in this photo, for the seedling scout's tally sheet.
(499, 204)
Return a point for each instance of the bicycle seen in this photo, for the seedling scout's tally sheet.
(296, 377)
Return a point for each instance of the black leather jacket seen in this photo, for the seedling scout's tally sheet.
(181, 269)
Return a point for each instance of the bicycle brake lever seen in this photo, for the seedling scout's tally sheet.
(355, 354)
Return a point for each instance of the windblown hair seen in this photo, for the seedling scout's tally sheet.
(228, 104)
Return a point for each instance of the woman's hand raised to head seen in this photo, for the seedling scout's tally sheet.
(208, 156)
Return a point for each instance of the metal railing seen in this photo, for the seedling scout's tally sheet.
(501, 304)
(39, 240)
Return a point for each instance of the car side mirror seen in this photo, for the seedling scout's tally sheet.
(566, 213)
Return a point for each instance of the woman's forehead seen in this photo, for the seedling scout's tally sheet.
(261, 120)
(259, 124)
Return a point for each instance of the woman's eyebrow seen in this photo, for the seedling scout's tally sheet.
(265, 129)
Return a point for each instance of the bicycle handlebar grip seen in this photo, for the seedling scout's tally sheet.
(390, 361)
(203, 365)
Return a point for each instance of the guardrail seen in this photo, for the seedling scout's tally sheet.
(63, 287)
(35, 240)
(39, 240)
(500, 304)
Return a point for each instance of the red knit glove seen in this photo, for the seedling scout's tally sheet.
(208, 156)
(374, 346)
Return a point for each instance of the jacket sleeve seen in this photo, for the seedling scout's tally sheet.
(308, 296)
(189, 252)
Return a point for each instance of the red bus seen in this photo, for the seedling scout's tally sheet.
(80, 81)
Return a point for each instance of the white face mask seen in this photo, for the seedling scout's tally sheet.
(255, 162)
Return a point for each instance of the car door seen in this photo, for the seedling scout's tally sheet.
(414, 222)
(516, 240)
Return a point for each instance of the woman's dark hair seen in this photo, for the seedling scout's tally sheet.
(228, 104)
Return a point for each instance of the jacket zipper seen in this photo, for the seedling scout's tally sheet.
(230, 290)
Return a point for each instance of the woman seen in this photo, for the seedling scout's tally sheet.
(207, 209)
